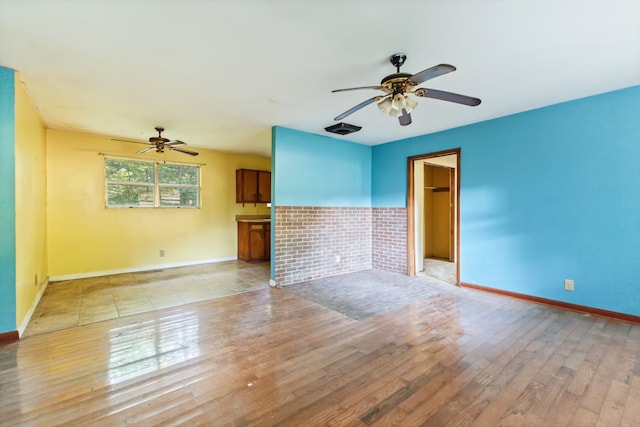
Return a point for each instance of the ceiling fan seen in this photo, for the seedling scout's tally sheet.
(397, 86)
(160, 143)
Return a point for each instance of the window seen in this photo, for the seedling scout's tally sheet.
(147, 184)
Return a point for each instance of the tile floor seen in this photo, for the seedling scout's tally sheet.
(79, 302)
(368, 293)
(442, 270)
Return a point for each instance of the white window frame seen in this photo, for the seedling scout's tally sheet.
(156, 185)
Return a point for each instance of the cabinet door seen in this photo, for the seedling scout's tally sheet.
(249, 185)
(243, 241)
(264, 186)
(239, 181)
(267, 242)
(256, 242)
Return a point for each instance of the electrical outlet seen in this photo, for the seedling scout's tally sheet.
(337, 258)
(568, 284)
(161, 253)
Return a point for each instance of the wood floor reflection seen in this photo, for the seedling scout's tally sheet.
(271, 358)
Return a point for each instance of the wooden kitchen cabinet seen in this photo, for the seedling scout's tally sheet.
(254, 240)
(253, 186)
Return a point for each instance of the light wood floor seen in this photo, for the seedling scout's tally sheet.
(271, 358)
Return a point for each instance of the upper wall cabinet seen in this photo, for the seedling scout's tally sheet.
(253, 186)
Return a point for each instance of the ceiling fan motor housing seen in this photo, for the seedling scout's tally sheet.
(159, 138)
(396, 82)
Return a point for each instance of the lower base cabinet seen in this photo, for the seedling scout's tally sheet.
(254, 241)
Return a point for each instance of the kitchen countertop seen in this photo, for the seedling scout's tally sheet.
(253, 218)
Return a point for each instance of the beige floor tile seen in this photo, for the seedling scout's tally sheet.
(128, 302)
(52, 322)
(98, 316)
(56, 305)
(129, 309)
(165, 301)
(78, 302)
(97, 306)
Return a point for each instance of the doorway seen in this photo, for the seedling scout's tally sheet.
(433, 215)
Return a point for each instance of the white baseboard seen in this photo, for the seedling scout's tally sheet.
(137, 269)
(23, 325)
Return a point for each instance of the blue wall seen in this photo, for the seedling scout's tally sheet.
(7, 202)
(313, 170)
(548, 194)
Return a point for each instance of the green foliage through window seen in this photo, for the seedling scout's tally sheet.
(135, 183)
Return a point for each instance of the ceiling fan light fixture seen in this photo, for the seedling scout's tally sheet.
(410, 104)
(385, 106)
(398, 105)
(398, 102)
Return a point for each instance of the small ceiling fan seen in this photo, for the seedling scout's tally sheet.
(160, 143)
(397, 86)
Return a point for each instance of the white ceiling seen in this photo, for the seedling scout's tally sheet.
(219, 73)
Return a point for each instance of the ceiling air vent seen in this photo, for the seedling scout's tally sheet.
(343, 128)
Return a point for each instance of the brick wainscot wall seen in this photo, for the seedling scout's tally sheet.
(315, 242)
(389, 239)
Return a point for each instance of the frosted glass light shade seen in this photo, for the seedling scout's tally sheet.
(392, 106)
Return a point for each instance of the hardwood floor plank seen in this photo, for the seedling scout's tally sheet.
(586, 418)
(461, 373)
(270, 358)
(605, 371)
(522, 392)
(613, 406)
(545, 408)
(340, 382)
(587, 369)
(473, 399)
(631, 410)
(400, 394)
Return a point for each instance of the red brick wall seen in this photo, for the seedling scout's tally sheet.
(315, 242)
(389, 239)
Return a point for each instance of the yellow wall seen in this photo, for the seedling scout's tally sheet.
(86, 237)
(441, 228)
(31, 220)
(428, 212)
(437, 219)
